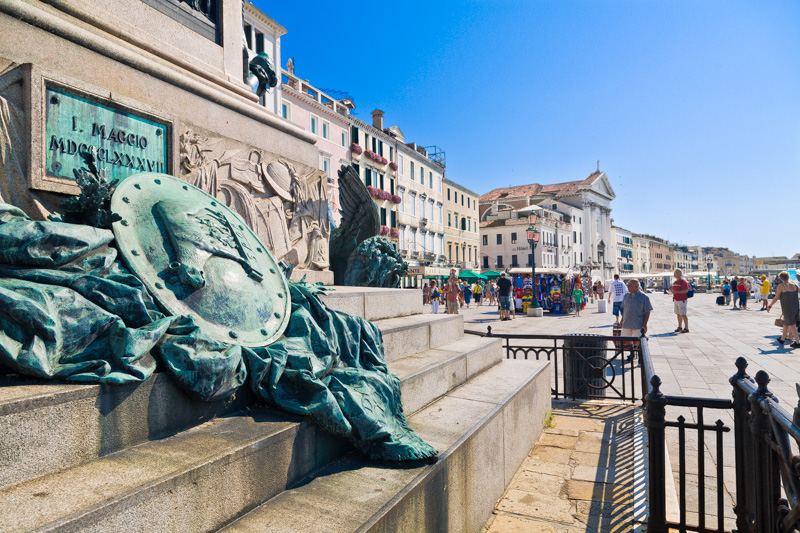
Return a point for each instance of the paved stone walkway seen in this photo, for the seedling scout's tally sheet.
(698, 363)
(579, 477)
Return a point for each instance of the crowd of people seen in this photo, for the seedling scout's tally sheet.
(630, 305)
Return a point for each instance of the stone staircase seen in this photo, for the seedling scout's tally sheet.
(148, 458)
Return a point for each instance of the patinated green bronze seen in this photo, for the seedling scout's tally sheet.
(71, 310)
(91, 206)
(199, 259)
(375, 263)
(358, 256)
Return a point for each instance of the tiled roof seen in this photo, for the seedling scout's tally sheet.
(556, 189)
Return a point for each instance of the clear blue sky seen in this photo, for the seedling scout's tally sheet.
(692, 107)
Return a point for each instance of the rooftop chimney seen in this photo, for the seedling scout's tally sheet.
(377, 119)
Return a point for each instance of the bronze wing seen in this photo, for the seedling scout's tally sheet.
(360, 221)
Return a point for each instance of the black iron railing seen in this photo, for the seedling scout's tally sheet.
(583, 366)
(766, 438)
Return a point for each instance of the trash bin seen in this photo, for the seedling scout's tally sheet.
(584, 366)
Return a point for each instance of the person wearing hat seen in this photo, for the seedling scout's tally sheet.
(764, 292)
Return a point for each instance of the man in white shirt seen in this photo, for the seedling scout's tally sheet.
(617, 291)
(756, 286)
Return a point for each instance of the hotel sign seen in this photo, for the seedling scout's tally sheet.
(126, 144)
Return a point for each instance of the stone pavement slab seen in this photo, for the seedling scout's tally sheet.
(570, 490)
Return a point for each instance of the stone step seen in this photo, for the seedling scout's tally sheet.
(483, 429)
(48, 426)
(432, 373)
(374, 303)
(408, 335)
(193, 480)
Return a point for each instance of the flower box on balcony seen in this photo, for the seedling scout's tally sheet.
(396, 199)
(393, 166)
(356, 149)
(384, 230)
(379, 194)
(395, 233)
(375, 157)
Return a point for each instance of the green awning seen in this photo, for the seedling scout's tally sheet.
(491, 274)
(468, 274)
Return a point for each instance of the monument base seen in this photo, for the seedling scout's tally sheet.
(535, 311)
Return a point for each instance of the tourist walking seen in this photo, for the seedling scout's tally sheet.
(735, 292)
(601, 290)
(426, 294)
(756, 286)
(451, 293)
(764, 292)
(617, 291)
(636, 309)
(787, 293)
(577, 295)
(477, 292)
(467, 294)
(679, 291)
(504, 295)
(435, 295)
(726, 291)
(744, 292)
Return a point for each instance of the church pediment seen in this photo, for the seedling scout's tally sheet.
(603, 187)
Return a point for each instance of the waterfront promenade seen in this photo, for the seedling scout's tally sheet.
(698, 363)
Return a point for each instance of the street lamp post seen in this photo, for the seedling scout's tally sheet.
(533, 237)
(709, 264)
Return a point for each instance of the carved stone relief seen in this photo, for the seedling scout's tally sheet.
(285, 203)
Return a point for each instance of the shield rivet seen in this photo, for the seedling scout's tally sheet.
(126, 199)
(213, 203)
(264, 332)
(280, 295)
(185, 187)
(134, 252)
(159, 285)
(158, 182)
(258, 250)
(138, 186)
(124, 222)
(272, 270)
(233, 334)
(277, 315)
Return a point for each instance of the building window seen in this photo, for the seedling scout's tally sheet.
(448, 194)
(422, 174)
(314, 124)
(402, 194)
(449, 221)
(383, 216)
(344, 137)
(455, 196)
(499, 238)
(462, 198)
(391, 185)
(391, 153)
(513, 238)
(430, 180)
(326, 163)
(326, 129)
(354, 134)
(441, 211)
(485, 261)
(402, 237)
(393, 218)
(499, 261)
(412, 171)
(286, 110)
(468, 201)
(470, 253)
(463, 224)
(380, 182)
(368, 177)
(401, 164)
(413, 204)
(486, 240)
(514, 261)
(530, 260)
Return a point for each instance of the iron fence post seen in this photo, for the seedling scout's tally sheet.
(655, 412)
(741, 439)
(766, 483)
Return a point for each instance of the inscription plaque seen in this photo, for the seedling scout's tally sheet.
(126, 144)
